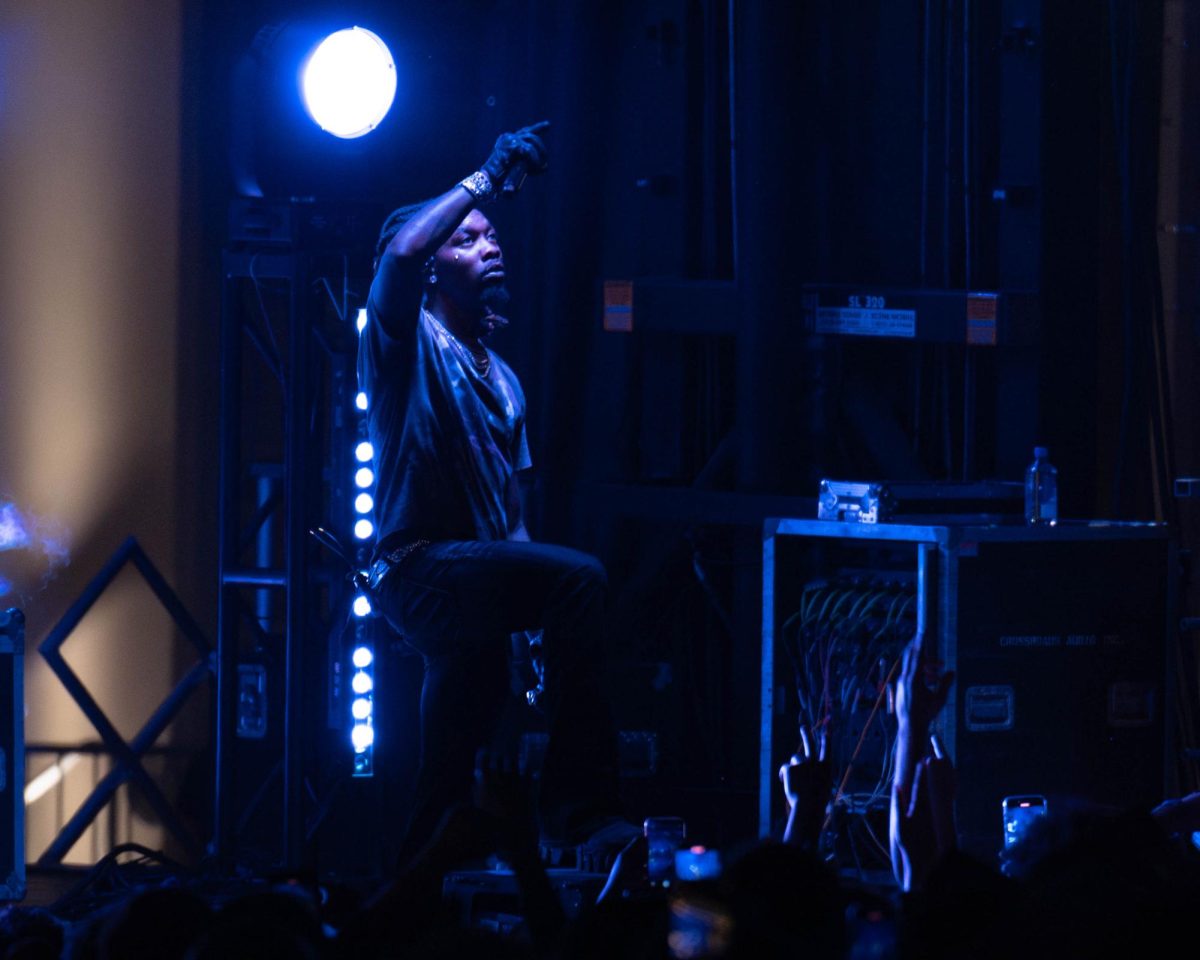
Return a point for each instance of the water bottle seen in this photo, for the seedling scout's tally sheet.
(1041, 490)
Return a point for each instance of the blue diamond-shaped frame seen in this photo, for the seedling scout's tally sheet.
(127, 756)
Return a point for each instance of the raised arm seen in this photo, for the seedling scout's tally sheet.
(921, 821)
(418, 234)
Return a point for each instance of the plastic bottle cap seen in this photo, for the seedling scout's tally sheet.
(1041, 453)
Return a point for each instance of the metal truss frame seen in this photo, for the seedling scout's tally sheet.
(127, 755)
(279, 477)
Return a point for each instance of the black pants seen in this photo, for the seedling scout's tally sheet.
(457, 603)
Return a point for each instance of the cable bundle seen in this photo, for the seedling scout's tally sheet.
(844, 644)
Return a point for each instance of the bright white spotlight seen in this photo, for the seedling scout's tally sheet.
(361, 322)
(360, 709)
(364, 477)
(363, 529)
(362, 606)
(362, 657)
(349, 83)
(364, 452)
(362, 737)
(360, 400)
(361, 683)
(363, 503)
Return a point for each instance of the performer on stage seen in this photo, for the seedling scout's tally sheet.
(455, 571)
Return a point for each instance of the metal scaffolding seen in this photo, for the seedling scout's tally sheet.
(287, 380)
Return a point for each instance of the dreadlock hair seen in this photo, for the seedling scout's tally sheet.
(491, 321)
(391, 226)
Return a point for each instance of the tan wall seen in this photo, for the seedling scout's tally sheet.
(89, 279)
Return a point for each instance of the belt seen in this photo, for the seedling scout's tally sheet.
(387, 562)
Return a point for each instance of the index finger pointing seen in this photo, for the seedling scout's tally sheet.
(536, 127)
(806, 742)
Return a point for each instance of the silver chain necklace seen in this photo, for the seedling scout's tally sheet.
(480, 365)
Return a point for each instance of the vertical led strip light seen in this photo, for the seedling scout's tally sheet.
(362, 656)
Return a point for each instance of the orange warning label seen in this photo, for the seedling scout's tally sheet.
(618, 306)
(981, 318)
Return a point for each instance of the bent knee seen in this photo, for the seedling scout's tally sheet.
(589, 573)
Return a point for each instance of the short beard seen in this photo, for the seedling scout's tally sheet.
(494, 297)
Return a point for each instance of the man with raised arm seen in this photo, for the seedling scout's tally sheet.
(454, 570)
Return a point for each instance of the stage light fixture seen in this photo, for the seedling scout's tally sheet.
(361, 321)
(362, 736)
(361, 683)
(315, 112)
(349, 83)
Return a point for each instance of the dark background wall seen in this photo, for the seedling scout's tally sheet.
(872, 146)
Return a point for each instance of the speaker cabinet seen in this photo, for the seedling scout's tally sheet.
(1058, 638)
(1061, 676)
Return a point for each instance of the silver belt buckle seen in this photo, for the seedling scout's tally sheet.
(379, 570)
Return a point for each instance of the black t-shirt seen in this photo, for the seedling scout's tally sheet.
(447, 439)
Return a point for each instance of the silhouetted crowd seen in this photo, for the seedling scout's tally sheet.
(1083, 881)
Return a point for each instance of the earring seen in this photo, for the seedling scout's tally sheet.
(431, 277)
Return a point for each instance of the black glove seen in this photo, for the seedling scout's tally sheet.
(523, 149)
